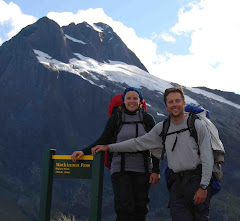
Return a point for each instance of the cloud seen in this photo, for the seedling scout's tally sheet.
(12, 19)
(166, 37)
(213, 27)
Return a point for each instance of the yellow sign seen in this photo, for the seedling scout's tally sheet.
(64, 167)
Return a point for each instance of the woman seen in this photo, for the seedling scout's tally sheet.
(131, 173)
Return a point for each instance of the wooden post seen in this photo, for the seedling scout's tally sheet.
(47, 181)
(97, 187)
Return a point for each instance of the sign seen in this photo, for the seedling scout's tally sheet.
(64, 167)
(61, 166)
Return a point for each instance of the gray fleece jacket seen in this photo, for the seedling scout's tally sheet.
(185, 154)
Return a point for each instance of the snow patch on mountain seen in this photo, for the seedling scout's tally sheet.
(98, 28)
(121, 72)
(114, 71)
(74, 39)
(118, 72)
(56, 65)
(160, 114)
(213, 96)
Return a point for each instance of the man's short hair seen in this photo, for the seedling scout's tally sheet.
(172, 90)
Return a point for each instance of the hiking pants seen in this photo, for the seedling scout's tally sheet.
(181, 203)
(131, 195)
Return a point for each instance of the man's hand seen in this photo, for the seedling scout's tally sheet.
(76, 154)
(99, 148)
(154, 178)
(200, 196)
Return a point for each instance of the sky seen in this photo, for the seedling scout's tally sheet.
(192, 43)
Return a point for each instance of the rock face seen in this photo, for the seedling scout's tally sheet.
(101, 46)
(43, 107)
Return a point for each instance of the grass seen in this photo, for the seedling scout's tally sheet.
(62, 217)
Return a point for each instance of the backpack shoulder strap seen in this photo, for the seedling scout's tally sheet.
(191, 126)
(163, 134)
(120, 120)
(142, 115)
(146, 124)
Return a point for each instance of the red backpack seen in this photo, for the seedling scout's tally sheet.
(112, 107)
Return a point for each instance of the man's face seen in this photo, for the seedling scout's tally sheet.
(175, 105)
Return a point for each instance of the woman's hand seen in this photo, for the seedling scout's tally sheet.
(154, 178)
(99, 148)
(76, 154)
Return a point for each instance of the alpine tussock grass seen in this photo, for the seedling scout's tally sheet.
(62, 217)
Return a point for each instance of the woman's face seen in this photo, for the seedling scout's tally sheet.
(132, 100)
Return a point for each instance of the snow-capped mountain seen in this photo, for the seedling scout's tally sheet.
(55, 86)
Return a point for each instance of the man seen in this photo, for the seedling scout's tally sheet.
(190, 163)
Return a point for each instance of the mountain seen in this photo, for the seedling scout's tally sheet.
(55, 86)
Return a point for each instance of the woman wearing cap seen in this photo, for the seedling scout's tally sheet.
(131, 173)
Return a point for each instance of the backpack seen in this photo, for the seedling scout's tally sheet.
(113, 107)
(197, 112)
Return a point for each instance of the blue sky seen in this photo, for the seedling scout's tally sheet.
(193, 43)
(133, 13)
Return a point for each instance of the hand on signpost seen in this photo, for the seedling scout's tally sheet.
(99, 148)
(76, 154)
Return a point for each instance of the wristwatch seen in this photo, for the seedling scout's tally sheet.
(203, 186)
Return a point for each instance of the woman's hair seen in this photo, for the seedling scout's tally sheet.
(173, 90)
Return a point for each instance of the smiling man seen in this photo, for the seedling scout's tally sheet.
(190, 163)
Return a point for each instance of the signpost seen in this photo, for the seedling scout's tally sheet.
(61, 166)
